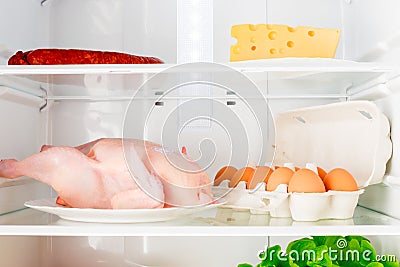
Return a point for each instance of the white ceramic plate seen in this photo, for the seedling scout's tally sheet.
(114, 216)
(304, 62)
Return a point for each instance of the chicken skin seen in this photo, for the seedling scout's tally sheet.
(116, 174)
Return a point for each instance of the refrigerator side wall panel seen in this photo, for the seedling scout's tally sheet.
(21, 251)
(23, 133)
(24, 25)
(372, 30)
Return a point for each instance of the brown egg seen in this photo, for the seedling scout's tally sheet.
(340, 180)
(225, 173)
(321, 173)
(281, 175)
(243, 174)
(261, 174)
(306, 181)
(295, 168)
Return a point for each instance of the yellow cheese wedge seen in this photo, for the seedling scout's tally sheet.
(264, 41)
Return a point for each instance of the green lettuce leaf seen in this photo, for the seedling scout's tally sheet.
(356, 237)
(331, 241)
(368, 254)
(375, 264)
(319, 240)
(291, 263)
(321, 257)
(387, 263)
(297, 249)
(300, 245)
(271, 257)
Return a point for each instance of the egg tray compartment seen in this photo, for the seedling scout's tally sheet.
(312, 206)
(280, 204)
(241, 198)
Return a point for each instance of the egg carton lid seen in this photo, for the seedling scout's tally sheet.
(352, 135)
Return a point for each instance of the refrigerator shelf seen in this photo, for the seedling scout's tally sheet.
(319, 78)
(20, 97)
(308, 65)
(166, 98)
(82, 69)
(216, 222)
(285, 65)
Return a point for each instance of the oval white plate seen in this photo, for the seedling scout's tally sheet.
(114, 216)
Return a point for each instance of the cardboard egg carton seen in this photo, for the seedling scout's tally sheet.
(303, 136)
(312, 206)
(281, 204)
(241, 198)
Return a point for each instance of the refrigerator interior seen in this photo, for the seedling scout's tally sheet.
(71, 105)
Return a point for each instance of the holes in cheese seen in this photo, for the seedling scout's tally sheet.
(272, 35)
(264, 41)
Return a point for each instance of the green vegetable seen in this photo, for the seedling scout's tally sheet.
(300, 245)
(324, 251)
(321, 257)
(332, 242)
(350, 254)
(291, 263)
(319, 240)
(391, 263)
(299, 251)
(375, 264)
(368, 254)
(356, 237)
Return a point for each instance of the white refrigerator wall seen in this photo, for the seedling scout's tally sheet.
(23, 132)
(372, 30)
(24, 25)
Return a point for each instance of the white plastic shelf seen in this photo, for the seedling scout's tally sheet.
(322, 78)
(217, 222)
(312, 78)
(277, 78)
(81, 69)
(301, 66)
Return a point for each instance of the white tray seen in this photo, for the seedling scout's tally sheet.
(114, 216)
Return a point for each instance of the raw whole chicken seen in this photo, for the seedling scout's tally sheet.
(115, 174)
